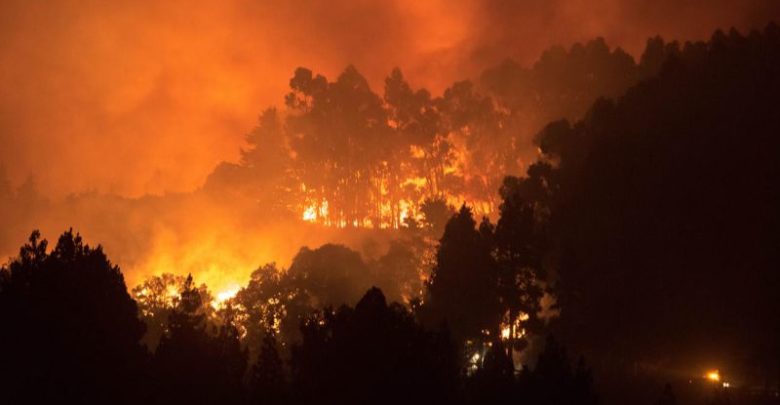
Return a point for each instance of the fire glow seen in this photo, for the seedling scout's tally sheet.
(713, 375)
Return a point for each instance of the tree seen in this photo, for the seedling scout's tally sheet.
(521, 249)
(553, 381)
(399, 271)
(271, 303)
(267, 151)
(268, 383)
(462, 287)
(70, 329)
(337, 133)
(157, 297)
(494, 382)
(436, 213)
(374, 353)
(644, 200)
(485, 154)
(421, 149)
(193, 366)
(330, 275)
(268, 160)
(230, 360)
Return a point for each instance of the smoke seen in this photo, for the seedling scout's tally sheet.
(134, 98)
(198, 233)
(130, 105)
(524, 28)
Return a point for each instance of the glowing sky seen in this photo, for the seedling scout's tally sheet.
(134, 97)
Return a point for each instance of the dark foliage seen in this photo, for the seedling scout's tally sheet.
(656, 213)
(70, 331)
(269, 384)
(193, 366)
(663, 211)
(670, 194)
(372, 353)
(330, 274)
(462, 290)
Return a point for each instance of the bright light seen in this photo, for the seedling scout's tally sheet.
(310, 214)
(506, 332)
(726, 384)
(513, 330)
(713, 375)
(224, 296)
(316, 212)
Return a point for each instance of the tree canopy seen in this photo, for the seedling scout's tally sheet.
(63, 307)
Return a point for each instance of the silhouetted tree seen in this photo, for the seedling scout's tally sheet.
(230, 360)
(521, 247)
(193, 366)
(494, 382)
(268, 384)
(271, 302)
(664, 193)
(373, 353)
(462, 287)
(330, 275)
(436, 212)
(399, 271)
(553, 382)
(157, 296)
(70, 330)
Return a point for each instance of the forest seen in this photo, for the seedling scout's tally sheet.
(635, 235)
(342, 155)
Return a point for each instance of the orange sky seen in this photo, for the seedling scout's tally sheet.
(135, 97)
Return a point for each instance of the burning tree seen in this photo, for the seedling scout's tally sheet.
(343, 155)
(337, 132)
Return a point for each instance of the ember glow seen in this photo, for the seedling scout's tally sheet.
(204, 75)
(225, 295)
(713, 375)
(193, 75)
(512, 177)
(513, 330)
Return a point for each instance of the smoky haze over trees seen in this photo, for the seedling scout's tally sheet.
(343, 155)
(641, 235)
(116, 85)
(408, 152)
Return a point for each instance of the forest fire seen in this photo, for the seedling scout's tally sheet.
(513, 331)
(249, 202)
(223, 296)
(391, 217)
(310, 214)
(220, 267)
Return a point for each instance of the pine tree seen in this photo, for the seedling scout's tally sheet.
(268, 380)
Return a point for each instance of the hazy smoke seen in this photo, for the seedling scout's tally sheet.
(122, 100)
(133, 97)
